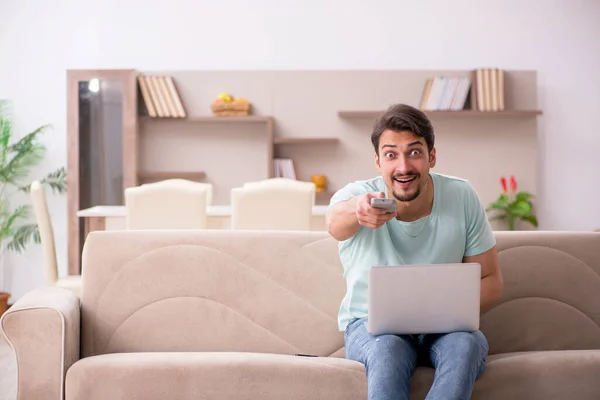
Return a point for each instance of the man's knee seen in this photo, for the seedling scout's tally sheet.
(392, 350)
(472, 345)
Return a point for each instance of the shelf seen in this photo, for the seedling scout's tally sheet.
(323, 198)
(298, 140)
(457, 114)
(212, 118)
(324, 195)
(160, 175)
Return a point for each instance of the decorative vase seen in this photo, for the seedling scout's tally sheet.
(5, 280)
(320, 182)
(3, 302)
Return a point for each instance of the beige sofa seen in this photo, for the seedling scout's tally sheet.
(221, 315)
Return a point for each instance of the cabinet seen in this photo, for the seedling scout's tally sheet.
(101, 145)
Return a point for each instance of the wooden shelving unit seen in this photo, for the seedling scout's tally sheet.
(315, 140)
(251, 119)
(323, 197)
(214, 119)
(371, 92)
(452, 114)
(255, 136)
(266, 119)
(160, 175)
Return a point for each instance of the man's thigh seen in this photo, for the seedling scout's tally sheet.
(470, 346)
(367, 349)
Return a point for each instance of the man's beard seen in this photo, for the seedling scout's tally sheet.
(408, 196)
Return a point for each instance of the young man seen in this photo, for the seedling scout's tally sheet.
(439, 219)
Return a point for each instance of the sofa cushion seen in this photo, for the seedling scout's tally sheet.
(182, 376)
(540, 375)
(213, 375)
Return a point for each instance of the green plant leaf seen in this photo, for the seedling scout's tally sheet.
(16, 162)
(56, 181)
(500, 204)
(503, 199)
(26, 153)
(5, 135)
(531, 219)
(496, 206)
(10, 218)
(22, 235)
(21, 163)
(498, 217)
(523, 196)
(27, 141)
(520, 208)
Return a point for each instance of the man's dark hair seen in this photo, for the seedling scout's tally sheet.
(402, 117)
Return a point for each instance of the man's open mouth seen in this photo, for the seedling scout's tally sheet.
(405, 180)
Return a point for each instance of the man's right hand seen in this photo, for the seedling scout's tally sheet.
(369, 216)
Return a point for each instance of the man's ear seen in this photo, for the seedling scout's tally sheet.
(377, 163)
(432, 158)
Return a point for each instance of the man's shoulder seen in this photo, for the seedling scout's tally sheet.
(374, 184)
(371, 185)
(452, 184)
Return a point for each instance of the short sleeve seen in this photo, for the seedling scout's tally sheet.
(480, 237)
(347, 192)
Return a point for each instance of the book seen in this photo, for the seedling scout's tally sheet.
(160, 97)
(445, 93)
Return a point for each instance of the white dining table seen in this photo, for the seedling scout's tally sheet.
(218, 217)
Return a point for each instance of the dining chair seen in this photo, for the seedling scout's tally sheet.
(46, 230)
(275, 204)
(168, 204)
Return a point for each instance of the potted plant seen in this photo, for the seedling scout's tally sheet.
(512, 205)
(17, 158)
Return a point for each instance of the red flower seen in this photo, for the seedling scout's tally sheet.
(503, 183)
(513, 184)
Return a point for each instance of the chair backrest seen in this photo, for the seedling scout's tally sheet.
(277, 204)
(284, 182)
(169, 204)
(180, 182)
(44, 223)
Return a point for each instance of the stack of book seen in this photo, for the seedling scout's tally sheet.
(443, 93)
(485, 87)
(283, 168)
(489, 89)
(161, 97)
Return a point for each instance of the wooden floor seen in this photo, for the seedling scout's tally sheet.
(8, 376)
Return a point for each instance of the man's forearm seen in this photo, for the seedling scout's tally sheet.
(491, 292)
(342, 222)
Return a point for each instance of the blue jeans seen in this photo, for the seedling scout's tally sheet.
(458, 358)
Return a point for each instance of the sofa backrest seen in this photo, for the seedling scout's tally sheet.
(279, 292)
(551, 295)
(211, 290)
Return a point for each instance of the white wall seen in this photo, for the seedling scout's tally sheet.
(39, 40)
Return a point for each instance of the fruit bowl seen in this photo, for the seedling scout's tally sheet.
(226, 106)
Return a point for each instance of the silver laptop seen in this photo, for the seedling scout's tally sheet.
(415, 299)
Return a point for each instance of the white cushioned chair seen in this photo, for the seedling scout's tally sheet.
(177, 182)
(44, 222)
(273, 204)
(168, 204)
(279, 182)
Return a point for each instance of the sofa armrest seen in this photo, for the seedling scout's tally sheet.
(43, 329)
